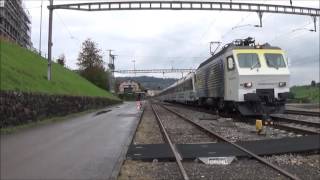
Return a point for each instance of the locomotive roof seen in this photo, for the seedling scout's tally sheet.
(232, 46)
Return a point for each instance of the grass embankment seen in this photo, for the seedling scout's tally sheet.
(306, 94)
(23, 70)
(26, 71)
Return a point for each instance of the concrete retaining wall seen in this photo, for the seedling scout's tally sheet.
(18, 108)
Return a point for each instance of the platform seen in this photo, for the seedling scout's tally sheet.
(86, 147)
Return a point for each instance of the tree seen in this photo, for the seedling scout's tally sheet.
(91, 64)
(313, 83)
(90, 55)
(62, 60)
(97, 76)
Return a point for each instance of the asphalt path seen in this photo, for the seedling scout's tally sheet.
(85, 147)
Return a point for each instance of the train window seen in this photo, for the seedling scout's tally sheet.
(248, 60)
(230, 63)
(190, 84)
(275, 60)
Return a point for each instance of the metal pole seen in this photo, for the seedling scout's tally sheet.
(40, 39)
(260, 18)
(134, 67)
(111, 67)
(315, 23)
(50, 39)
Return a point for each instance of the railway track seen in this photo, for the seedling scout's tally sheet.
(284, 123)
(297, 121)
(172, 146)
(296, 125)
(209, 131)
(293, 128)
(306, 113)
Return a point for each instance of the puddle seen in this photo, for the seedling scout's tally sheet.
(102, 112)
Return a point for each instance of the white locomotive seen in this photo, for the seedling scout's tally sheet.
(252, 79)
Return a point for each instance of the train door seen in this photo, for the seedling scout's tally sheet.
(194, 93)
(231, 85)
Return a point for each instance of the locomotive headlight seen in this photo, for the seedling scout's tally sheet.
(248, 85)
(282, 84)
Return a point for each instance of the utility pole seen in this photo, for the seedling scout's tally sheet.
(314, 18)
(50, 39)
(260, 18)
(134, 67)
(111, 67)
(40, 39)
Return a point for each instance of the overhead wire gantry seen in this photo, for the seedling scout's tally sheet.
(173, 70)
(188, 5)
(178, 5)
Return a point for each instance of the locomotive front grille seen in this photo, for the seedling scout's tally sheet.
(266, 94)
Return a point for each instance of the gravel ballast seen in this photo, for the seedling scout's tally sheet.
(180, 131)
(148, 131)
(305, 166)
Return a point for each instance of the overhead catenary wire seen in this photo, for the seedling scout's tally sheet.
(288, 32)
(67, 29)
(241, 21)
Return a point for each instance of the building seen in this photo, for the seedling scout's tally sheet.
(153, 92)
(15, 23)
(129, 86)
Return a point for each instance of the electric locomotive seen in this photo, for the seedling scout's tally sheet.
(245, 77)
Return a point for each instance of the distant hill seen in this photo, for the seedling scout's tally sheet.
(23, 70)
(148, 82)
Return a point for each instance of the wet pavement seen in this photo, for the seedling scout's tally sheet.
(86, 147)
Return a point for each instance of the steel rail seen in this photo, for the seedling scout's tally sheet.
(299, 112)
(172, 147)
(294, 129)
(297, 121)
(277, 168)
(189, 5)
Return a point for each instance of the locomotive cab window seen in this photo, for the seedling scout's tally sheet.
(248, 60)
(275, 60)
(230, 63)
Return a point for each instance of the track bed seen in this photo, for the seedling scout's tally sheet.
(305, 166)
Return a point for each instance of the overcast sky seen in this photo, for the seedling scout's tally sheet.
(178, 39)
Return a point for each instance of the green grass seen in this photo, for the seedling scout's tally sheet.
(23, 70)
(306, 93)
